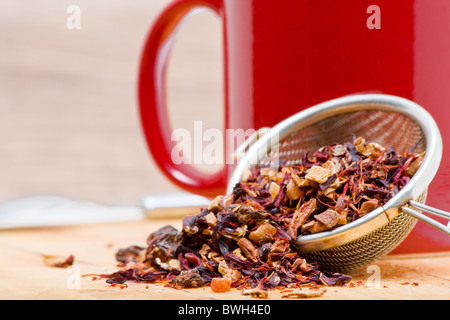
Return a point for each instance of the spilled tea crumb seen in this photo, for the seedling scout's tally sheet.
(58, 261)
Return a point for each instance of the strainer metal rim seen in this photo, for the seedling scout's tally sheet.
(413, 189)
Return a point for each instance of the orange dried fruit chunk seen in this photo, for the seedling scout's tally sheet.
(221, 284)
(318, 174)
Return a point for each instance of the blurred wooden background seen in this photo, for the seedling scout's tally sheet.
(69, 122)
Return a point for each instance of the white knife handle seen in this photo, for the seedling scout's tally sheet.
(173, 205)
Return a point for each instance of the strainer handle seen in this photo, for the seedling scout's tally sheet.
(426, 219)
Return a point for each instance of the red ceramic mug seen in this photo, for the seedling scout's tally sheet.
(284, 56)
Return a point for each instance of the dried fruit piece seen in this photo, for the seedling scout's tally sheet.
(414, 166)
(317, 226)
(329, 218)
(368, 149)
(274, 189)
(318, 174)
(374, 149)
(293, 191)
(368, 206)
(300, 182)
(300, 217)
(211, 219)
(339, 150)
(263, 233)
(248, 249)
(205, 249)
(300, 264)
(216, 205)
(331, 165)
(228, 272)
(268, 171)
(172, 265)
(342, 217)
(221, 284)
(190, 279)
(304, 294)
(256, 293)
(280, 245)
(360, 145)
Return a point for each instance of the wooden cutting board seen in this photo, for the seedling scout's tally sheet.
(25, 276)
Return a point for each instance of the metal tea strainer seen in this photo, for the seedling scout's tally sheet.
(388, 120)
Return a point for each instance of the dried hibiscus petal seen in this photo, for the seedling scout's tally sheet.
(129, 254)
(264, 233)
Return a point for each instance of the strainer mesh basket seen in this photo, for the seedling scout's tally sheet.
(368, 248)
(390, 121)
(390, 129)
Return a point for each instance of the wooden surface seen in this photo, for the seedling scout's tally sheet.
(94, 246)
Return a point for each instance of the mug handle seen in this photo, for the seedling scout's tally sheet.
(152, 101)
